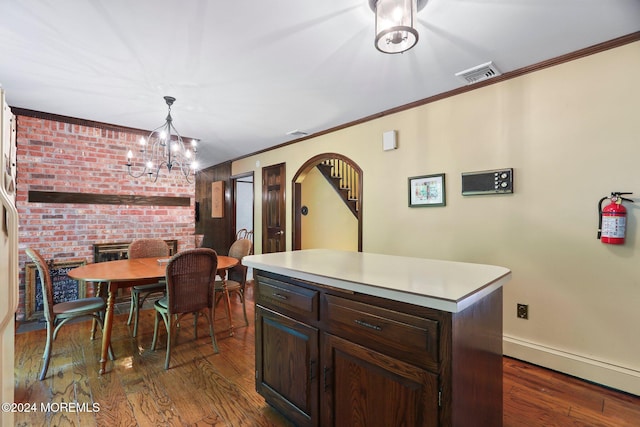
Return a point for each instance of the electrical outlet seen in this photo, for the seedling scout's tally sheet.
(523, 311)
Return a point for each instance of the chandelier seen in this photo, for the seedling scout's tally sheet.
(163, 147)
(395, 24)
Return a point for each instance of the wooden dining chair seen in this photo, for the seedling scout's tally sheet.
(145, 248)
(236, 277)
(58, 314)
(190, 275)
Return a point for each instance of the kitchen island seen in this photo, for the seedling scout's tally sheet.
(351, 338)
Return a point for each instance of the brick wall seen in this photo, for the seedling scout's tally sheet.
(64, 157)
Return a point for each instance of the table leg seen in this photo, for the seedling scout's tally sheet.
(108, 323)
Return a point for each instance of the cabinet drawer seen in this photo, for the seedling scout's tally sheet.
(287, 297)
(411, 338)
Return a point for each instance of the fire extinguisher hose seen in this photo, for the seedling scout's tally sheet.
(600, 216)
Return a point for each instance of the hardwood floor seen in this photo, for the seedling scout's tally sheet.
(203, 388)
(535, 396)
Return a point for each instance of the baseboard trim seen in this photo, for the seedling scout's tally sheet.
(607, 374)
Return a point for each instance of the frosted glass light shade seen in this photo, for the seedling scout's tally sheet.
(395, 25)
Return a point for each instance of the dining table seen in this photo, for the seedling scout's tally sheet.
(126, 273)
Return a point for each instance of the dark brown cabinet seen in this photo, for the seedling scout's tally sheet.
(286, 365)
(330, 357)
(287, 356)
(365, 388)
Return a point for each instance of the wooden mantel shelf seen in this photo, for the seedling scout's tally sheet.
(106, 199)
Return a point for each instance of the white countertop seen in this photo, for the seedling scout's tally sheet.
(442, 285)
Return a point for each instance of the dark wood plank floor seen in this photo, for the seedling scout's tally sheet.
(203, 388)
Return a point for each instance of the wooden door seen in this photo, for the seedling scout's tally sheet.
(286, 365)
(362, 387)
(273, 209)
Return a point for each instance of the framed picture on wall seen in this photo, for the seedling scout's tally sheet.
(217, 199)
(427, 190)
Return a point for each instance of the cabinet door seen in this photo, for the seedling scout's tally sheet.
(286, 365)
(365, 388)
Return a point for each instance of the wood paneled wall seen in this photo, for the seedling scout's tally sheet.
(216, 230)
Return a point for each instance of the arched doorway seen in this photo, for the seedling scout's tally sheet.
(344, 176)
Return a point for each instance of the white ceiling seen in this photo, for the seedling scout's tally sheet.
(247, 72)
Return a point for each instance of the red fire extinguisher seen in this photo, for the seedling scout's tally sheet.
(612, 219)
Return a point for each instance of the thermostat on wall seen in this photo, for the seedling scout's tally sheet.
(495, 181)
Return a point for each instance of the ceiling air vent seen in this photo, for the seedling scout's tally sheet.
(297, 133)
(479, 73)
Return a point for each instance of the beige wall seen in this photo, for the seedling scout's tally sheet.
(572, 135)
(329, 223)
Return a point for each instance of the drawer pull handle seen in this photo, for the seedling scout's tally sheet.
(280, 296)
(368, 325)
(326, 377)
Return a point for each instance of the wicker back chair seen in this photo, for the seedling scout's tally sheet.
(148, 248)
(243, 233)
(145, 248)
(190, 275)
(57, 315)
(236, 277)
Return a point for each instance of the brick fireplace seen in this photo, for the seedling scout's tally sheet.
(60, 155)
(113, 251)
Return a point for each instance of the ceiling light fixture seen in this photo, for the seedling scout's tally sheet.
(395, 24)
(163, 147)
